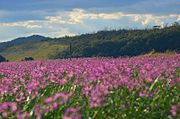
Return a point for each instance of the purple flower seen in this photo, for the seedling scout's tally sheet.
(73, 113)
(174, 110)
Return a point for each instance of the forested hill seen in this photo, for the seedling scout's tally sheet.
(112, 43)
(122, 42)
(20, 40)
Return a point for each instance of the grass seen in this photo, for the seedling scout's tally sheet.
(38, 50)
(156, 54)
(121, 103)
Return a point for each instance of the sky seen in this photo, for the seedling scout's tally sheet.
(57, 18)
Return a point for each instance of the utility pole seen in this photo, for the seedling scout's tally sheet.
(70, 49)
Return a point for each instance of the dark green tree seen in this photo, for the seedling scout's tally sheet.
(117, 43)
(2, 59)
(28, 59)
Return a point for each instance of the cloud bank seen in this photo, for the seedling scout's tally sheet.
(77, 21)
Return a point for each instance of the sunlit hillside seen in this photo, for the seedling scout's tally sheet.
(38, 50)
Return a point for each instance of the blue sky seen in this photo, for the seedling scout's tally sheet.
(56, 18)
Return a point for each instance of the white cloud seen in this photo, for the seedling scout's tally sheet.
(55, 19)
(62, 32)
(78, 16)
(79, 21)
(146, 19)
(30, 24)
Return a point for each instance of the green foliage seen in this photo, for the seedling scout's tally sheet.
(112, 43)
(121, 103)
(2, 59)
(39, 50)
(122, 42)
(28, 59)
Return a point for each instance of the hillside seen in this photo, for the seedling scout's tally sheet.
(39, 50)
(20, 40)
(122, 42)
(112, 43)
(32, 46)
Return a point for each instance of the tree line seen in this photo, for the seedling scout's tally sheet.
(121, 42)
(3, 59)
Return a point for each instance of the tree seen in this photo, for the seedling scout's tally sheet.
(28, 59)
(175, 24)
(2, 59)
(121, 42)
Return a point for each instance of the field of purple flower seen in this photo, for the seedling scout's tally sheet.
(100, 88)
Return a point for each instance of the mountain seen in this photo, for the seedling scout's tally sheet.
(114, 43)
(122, 42)
(21, 40)
(34, 46)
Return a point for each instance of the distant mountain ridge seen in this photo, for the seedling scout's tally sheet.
(21, 40)
(122, 42)
(113, 43)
